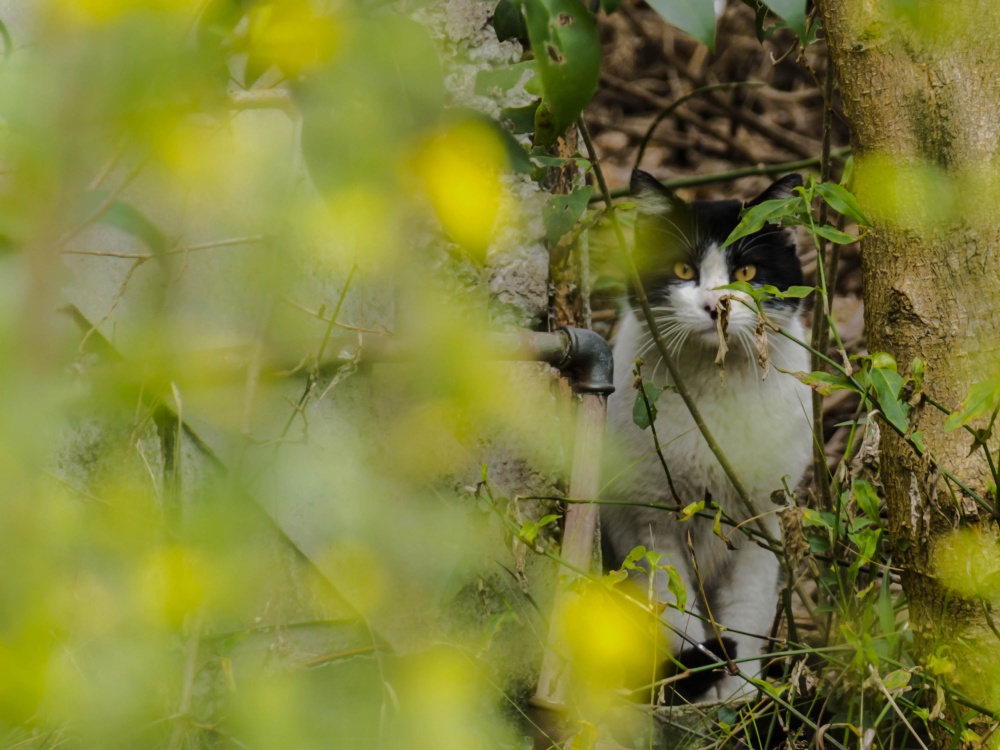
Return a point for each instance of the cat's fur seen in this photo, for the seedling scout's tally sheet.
(762, 424)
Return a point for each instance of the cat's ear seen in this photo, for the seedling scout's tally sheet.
(651, 196)
(780, 189)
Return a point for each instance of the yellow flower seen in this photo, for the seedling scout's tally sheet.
(460, 171)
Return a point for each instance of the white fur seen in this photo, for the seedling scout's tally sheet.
(762, 425)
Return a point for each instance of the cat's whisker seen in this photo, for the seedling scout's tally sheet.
(679, 343)
(644, 351)
(679, 233)
(747, 345)
(656, 368)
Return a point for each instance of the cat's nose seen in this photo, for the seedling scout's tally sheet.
(713, 313)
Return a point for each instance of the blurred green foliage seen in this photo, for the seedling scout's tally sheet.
(219, 529)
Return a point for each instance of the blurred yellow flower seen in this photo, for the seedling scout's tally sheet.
(291, 36)
(101, 11)
(440, 691)
(358, 224)
(460, 171)
(357, 572)
(614, 643)
(914, 195)
(969, 563)
(170, 584)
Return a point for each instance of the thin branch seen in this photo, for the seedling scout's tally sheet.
(274, 98)
(101, 209)
(665, 112)
(734, 174)
(682, 390)
(229, 242)
(888, 696)
(821, 310)
(652, 429)
(183, 715)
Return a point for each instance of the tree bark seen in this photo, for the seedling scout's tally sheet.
(921, 95)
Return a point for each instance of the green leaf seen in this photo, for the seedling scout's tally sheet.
(867, 541)
(257, 65)
(521, 119)
(610, 6)
(793, 13)
(502, 79)
(796, 292)
(8, 43)
(847, 177)
(530, 529)
(917, 371)
(675, 585)
(767, 211)
(561, 212)
(887, 384)
(728, 715)
(567, 52)
(793, 292)
(717, 524)
(982, 398)
(539, 156)
(812, 517)
(717, 530)
(835, 235)
(640, 414)
(633, 557)
(614, 577)
(883, 361)
(867, 499)
(842, 201)
(742, 286)
(129, 219)
(218, 20)
(886, 614)
(938, 665)
(689, 510)
(824, 383)
(696, 17)
(508, 23)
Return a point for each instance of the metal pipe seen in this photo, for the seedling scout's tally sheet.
(577, 551)
(584, 356)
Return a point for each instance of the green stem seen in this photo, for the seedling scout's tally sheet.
(652, 429)
(733, 174)
(640, 293)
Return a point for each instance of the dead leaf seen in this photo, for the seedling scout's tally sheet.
(760, 339)
(722, 307)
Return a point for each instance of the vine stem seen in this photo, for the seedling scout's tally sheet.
(652, 429)
(182, 719)
(735, 174)
(821, 311)
(640, 293)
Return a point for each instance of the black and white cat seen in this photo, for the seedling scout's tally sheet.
(763, 424)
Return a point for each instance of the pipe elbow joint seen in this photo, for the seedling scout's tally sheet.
(589, 361)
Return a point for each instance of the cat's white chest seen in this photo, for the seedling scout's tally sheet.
(762, 425)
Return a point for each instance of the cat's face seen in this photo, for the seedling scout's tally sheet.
(681, 264)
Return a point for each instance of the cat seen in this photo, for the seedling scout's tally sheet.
(762, 423)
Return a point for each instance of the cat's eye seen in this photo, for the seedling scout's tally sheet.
(684, 272)
(746, 273)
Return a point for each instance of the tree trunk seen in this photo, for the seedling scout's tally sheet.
(921, 95)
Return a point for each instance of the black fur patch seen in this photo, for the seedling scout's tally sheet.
(669, 231)
(693, 687)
